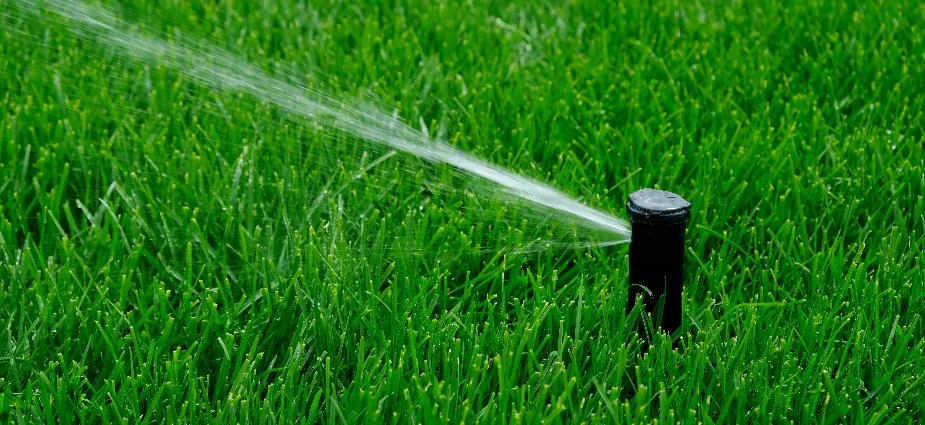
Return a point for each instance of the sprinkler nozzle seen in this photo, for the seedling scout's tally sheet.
(659, 219)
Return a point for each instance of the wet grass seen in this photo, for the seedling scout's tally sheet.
(174, 254)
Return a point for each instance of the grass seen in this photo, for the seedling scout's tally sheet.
(166, 254)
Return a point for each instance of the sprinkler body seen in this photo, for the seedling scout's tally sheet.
(656, 271)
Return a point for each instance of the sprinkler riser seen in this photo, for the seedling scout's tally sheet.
(656, 270)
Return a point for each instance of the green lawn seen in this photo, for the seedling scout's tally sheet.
(171, 253)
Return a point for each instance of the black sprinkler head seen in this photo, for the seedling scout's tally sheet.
(659, 219)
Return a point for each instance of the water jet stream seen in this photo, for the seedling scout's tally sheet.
(214, 67)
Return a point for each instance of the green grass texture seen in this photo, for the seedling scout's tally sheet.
(171, 253)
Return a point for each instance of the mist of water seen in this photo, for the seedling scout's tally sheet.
(214, 67)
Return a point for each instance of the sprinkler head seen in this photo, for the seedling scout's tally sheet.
(659, 219)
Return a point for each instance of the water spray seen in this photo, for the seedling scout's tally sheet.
(659, 220)
(214, 67)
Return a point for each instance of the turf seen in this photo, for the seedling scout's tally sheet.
(154, 270)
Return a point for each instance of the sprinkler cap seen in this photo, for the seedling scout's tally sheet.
(657, 206)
